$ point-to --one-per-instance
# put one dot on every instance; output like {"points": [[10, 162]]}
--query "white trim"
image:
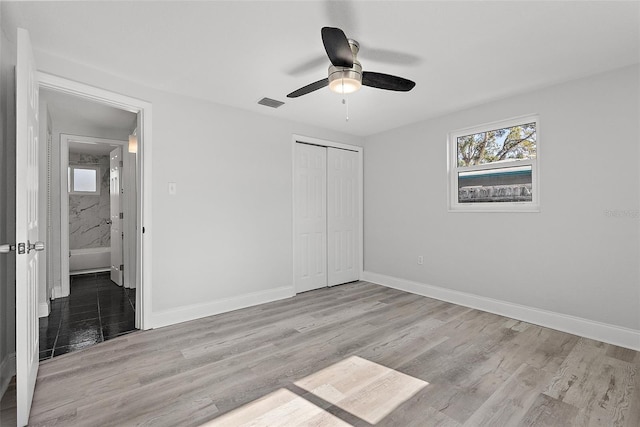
{"points": [[65, 286], [7, 371], [612, 334], [325, 143], [43, 309], [56, 291], [452, 169], [144, 182], [224, 305], [90, 270]]}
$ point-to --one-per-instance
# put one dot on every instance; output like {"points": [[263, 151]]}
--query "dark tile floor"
{"points": [[96, 310]]}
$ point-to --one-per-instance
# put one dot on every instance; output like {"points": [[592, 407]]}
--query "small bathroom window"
{"points": [[84, 180]]}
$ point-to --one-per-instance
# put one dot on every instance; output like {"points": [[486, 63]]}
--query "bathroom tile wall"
{"points": [[89, 215]]}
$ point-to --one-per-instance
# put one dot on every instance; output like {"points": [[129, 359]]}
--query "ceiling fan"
{"points": [[345, 71]]}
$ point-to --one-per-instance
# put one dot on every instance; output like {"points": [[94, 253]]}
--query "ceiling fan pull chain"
{"points": [[346, 104]]}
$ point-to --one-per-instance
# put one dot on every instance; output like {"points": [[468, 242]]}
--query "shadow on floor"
{"points": [[8, 416], [95, 311]]}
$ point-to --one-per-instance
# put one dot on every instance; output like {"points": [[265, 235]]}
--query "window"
{"points": [[494, 167], [84, 180]]}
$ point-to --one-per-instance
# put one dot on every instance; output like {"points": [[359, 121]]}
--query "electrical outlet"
{"points": [[420, 260]]}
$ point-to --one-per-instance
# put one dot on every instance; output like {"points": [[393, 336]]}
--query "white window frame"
{"points": [[453, 169], [84, 193]]}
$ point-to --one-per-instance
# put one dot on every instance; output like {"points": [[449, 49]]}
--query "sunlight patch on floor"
{"points": [[365, 389], [280, 408]]}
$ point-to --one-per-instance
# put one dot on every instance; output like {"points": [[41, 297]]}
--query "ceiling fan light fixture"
{"points": [[345, 80], [345, 84]]}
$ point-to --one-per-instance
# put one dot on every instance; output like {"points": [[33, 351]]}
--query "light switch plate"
{"points": [[172, 188]]}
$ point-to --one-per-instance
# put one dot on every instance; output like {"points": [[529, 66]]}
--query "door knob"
{"points": [[37, 246], [5, 249]]}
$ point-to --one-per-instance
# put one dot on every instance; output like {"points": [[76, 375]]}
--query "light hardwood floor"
{"points": [[356, 354]]}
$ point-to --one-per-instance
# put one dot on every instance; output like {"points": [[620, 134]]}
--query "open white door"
{"points": [[310, 263], [115, 191], [343, 216], [27, 256]]}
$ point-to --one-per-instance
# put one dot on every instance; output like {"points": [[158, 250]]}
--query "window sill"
{"points": [[501, 209]]}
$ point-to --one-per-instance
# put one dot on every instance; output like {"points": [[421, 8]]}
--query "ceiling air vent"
{"points": [[270, 102]]}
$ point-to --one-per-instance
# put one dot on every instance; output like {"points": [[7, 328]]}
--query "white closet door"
{"points": [[343, 216], [310, 263]]}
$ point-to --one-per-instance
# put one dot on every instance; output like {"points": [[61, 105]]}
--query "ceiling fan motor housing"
{"points": [[345, 79]]}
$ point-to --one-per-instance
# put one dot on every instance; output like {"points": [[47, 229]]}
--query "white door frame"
{"points": [[325, 143], [65, 139], [143, 181]]}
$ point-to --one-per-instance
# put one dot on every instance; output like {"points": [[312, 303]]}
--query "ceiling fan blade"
{"points": [[386, 81], [337, 47], [309, 88], [313, 64]]}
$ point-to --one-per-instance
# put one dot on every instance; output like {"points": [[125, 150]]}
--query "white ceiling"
{"points": [[460, 54], [91, 148], [65, 108]]}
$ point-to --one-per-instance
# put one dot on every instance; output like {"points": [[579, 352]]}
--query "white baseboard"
{"points": [[197, 311], [7, 371], [43, 309], [612, 334], [90, 270], [56, 292]]}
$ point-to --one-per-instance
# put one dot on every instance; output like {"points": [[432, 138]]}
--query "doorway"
{"points": [[98, 224], [140, 271], [89, 295], [327, 212]]}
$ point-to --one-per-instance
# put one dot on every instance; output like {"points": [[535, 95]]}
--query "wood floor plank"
{"points": [[462, 367], [512, 399], [549, 412], [601, 387]]}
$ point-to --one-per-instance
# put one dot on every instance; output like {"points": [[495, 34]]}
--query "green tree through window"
{"points": [[512, 143]]}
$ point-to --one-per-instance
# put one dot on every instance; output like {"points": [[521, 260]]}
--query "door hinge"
{"points": [[122, 235], [121, 215], [121, 163], [121, 267]]}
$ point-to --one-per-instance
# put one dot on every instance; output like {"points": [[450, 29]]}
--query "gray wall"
{"points": [[227, 233], [88, 214], [574, 257], [44, 265], [7, 208]]}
